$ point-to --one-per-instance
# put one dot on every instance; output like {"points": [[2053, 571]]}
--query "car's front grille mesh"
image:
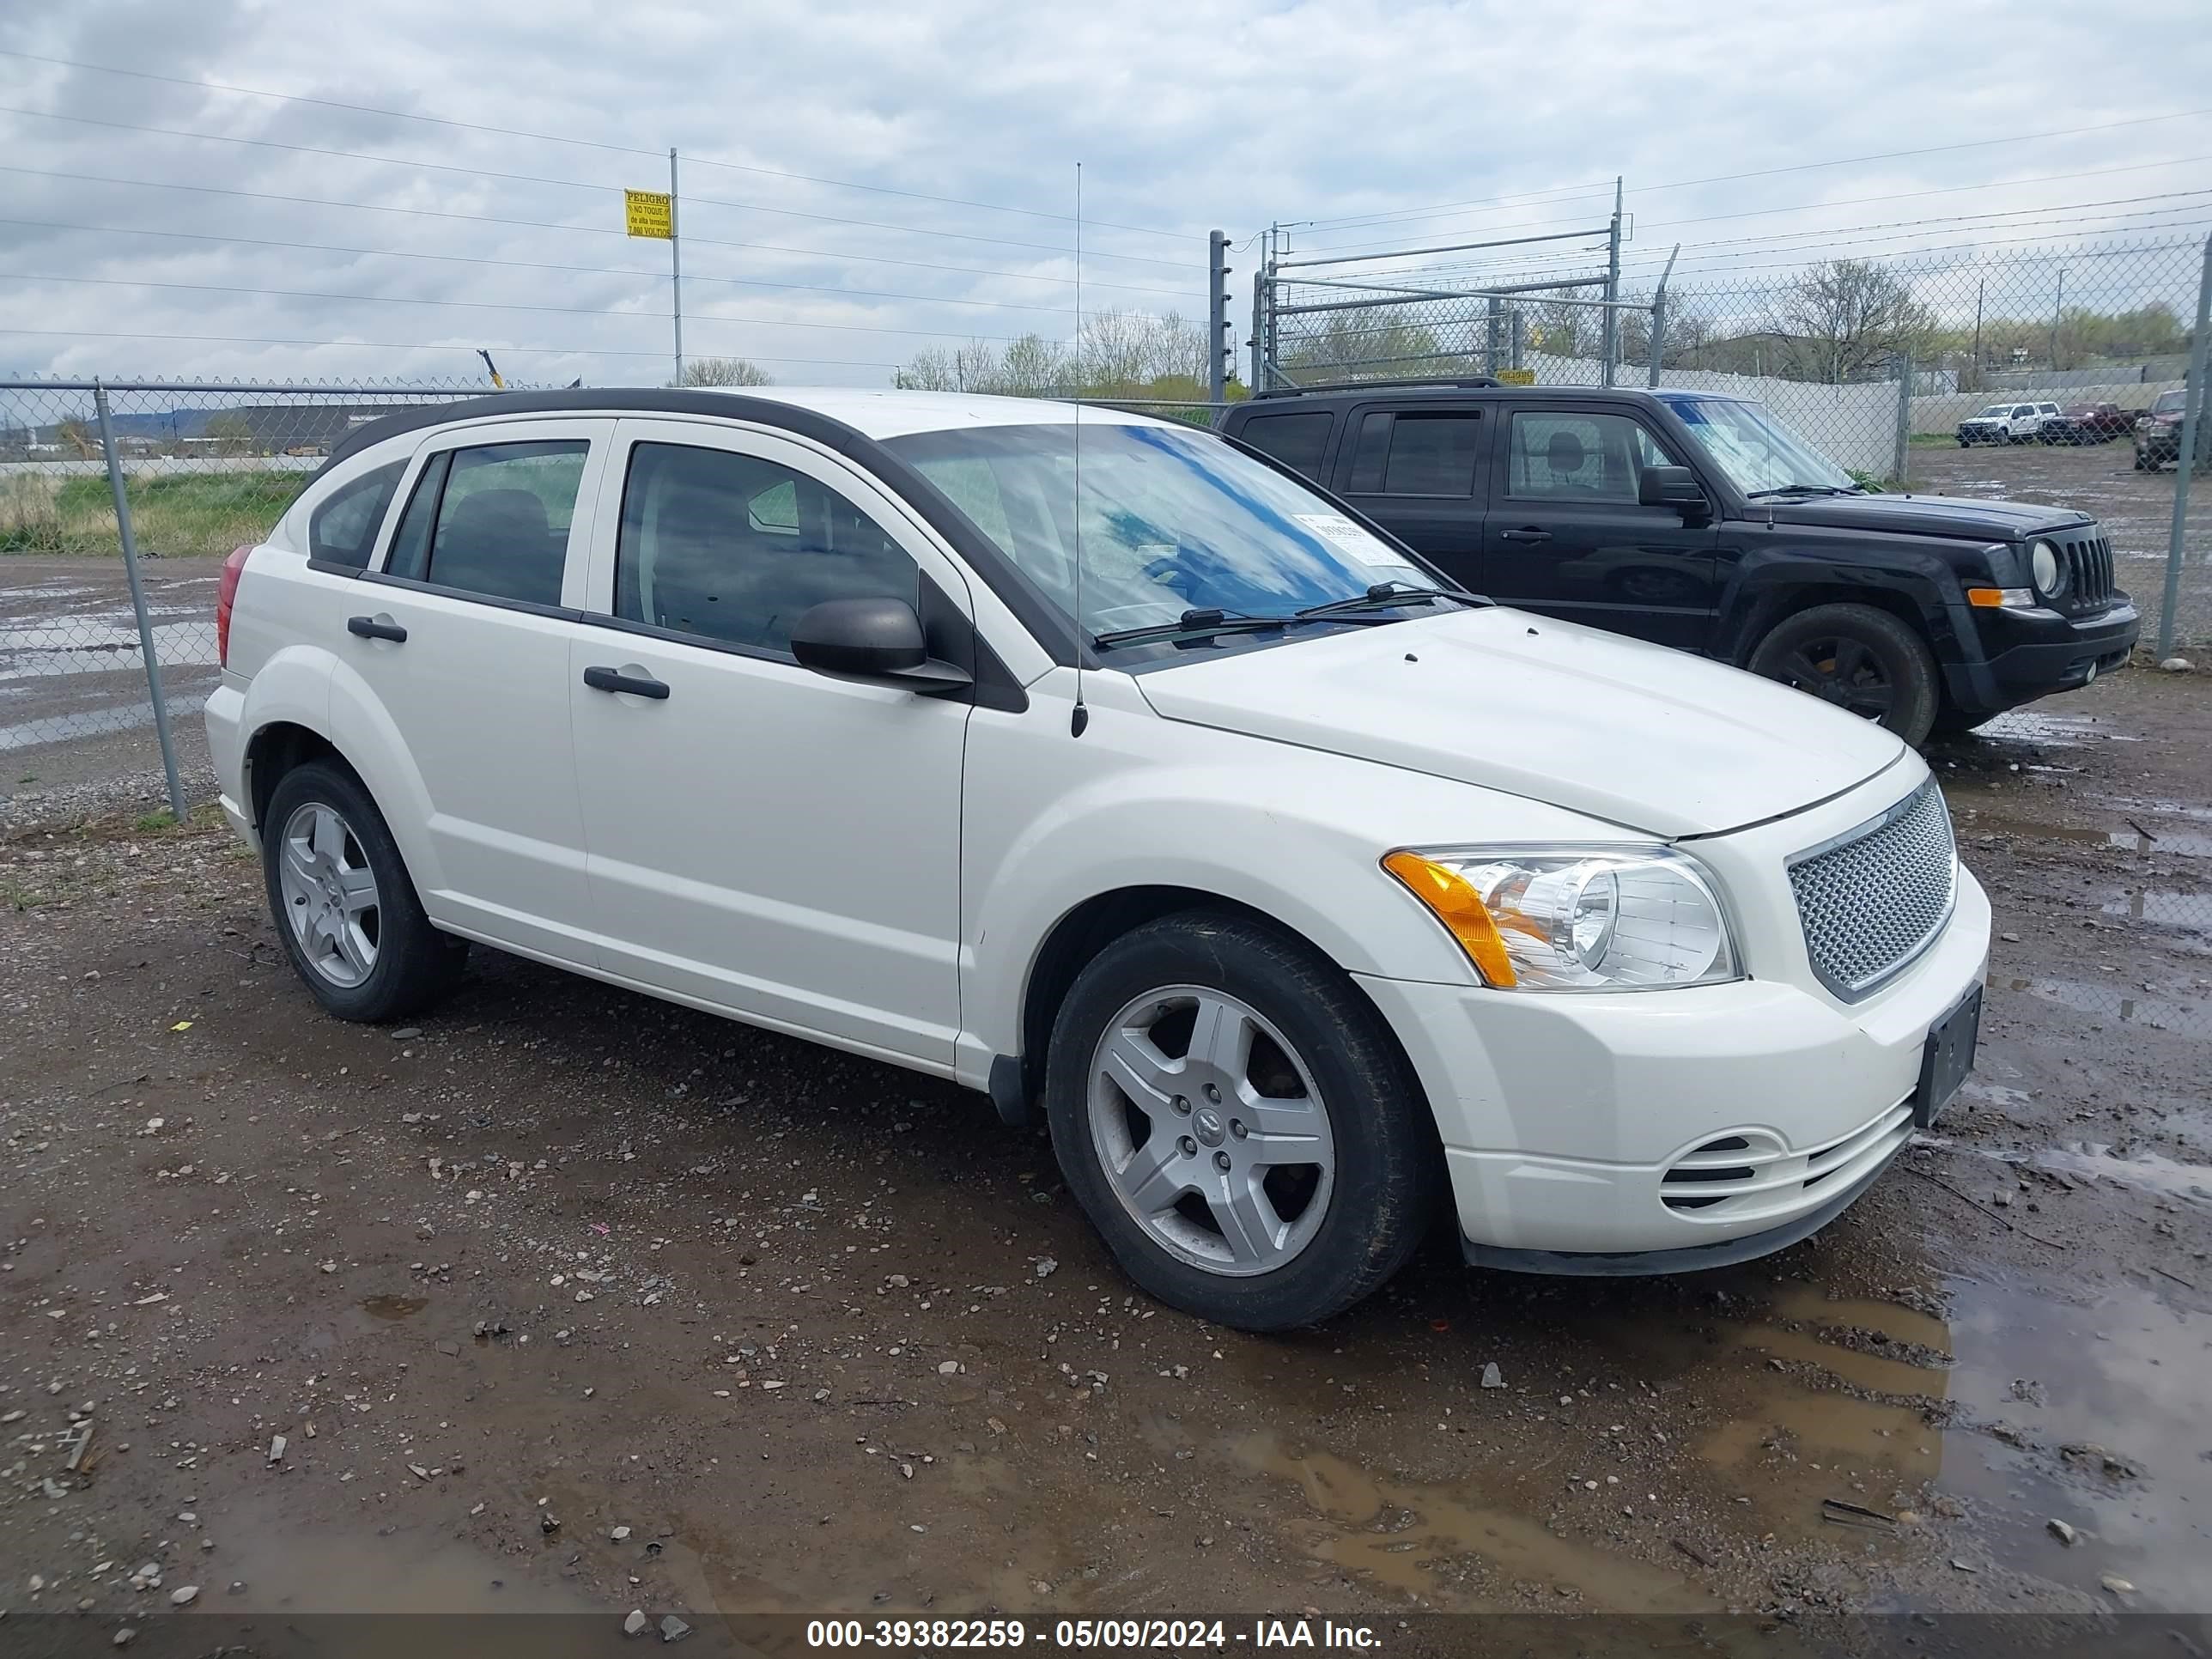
{"points": [[2088, 566], [1870, 902]]}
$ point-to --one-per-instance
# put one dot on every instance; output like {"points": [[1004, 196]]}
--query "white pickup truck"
{"points": [[2005, 423]]}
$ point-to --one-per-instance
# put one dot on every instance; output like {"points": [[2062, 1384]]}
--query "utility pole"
{"points": [[1613, 288], [1220, 344], [675, 267]]}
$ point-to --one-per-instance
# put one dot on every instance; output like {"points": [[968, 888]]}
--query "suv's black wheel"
{"points": [[1236, 1121], [1857, 657], [343, 903]]}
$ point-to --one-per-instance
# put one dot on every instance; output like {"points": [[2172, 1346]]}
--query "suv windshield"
{"points": [[2168, 403], [1995, 412], [1172, 522], [1759, 455]]}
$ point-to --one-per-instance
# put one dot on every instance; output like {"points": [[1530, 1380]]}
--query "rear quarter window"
{"points": [[342, 529], [1299, 442]]}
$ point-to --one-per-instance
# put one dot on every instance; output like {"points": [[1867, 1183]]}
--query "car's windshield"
{"points": [[1171, 521], [1758, 453], [1995, 411], [2168, 402]]}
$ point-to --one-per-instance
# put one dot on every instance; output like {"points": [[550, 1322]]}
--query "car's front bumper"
{"points": [[2026, 655], [1562, 1116]]}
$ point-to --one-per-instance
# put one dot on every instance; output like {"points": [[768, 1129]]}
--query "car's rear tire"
{"points": [[343, 903], [1238, 1123], [1861, 659]]}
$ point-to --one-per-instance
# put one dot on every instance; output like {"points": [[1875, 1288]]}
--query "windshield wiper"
{"points": [[1199, 625], [1384, 595], [1808, 490]]}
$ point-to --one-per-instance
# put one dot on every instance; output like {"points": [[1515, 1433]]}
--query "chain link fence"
{"points": [[2053, 375], [102, 643]]}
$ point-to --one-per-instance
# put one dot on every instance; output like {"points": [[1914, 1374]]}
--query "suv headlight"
{"points": [[1575, 918], [2046, 570]]}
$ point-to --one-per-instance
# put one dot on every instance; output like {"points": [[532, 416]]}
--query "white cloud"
{"points": [[1186, 114]]}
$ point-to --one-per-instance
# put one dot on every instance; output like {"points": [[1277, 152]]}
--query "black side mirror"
{"points": [[1670, 486], [870, 639]]}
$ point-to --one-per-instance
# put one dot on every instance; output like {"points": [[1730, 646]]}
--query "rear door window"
{"points": [[1299, 442], [493, 520], [342, 530], [1417, 453]]}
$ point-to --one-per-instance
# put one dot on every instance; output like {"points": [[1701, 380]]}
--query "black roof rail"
{"points": [[1469, 382]]}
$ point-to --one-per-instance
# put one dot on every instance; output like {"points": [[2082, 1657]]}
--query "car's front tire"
{"points": [[1238, 1123], [343, 903], [1863, 660]]}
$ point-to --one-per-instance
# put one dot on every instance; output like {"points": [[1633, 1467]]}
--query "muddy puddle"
{"points": [[2181, 1018], [1413, 1537], [1859, 1425]]}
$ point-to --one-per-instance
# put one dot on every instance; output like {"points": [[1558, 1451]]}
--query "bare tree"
{"points": [[1844, 318], [725, 371]]}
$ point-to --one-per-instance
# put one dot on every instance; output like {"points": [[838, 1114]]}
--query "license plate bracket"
{"points": [[1947, 1057]]}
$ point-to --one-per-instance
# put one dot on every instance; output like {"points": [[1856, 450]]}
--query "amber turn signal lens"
{"points": [[1987, 598], [1455, 902]]}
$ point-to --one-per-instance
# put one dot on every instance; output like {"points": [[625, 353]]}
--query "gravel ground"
{"points": [[563, 1261]]}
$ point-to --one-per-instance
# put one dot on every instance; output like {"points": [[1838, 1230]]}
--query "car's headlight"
{"points": [[1572, 918], [2046, 570]]}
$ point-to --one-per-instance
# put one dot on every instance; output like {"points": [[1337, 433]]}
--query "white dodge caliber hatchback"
{"points": [[1111, 769]]}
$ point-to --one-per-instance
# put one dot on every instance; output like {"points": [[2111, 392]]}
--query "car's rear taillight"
{"points": [[226, 596]]}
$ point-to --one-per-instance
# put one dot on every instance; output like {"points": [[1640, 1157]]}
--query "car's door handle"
{"points": [[1531, 534], [368, 628], [638, 685]]}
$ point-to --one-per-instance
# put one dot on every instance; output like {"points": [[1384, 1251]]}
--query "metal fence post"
{"points": [[2184, 457], [1612, 288], [1900, 466], [138, 602]]}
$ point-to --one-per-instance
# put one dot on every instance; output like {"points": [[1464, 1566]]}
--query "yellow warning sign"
{"points": [[647, 213], [1516, 377]]}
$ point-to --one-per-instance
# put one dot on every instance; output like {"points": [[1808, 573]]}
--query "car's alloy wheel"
{"points": [[1862, 660], [331, 899], [1211, 1130], [343, 903]]}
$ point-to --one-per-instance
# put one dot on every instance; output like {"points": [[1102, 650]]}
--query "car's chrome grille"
{"points": [[2089, 554], [1871, 899]]}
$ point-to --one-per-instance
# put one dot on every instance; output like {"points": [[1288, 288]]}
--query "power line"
{"points": [[417, 345], [494, 305], [1439, 209], [1816, 207], [564, 184], [589, 230], [562, 138], [532, 264]]}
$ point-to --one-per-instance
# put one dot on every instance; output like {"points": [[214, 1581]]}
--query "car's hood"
{"points": [[1637, 734], [1922, 515]]}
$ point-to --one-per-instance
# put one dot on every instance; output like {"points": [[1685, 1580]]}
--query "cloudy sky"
{"points": [[862, 182]]}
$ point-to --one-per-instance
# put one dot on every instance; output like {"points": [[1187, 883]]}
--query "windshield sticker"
{"points": [[1363, 544]]}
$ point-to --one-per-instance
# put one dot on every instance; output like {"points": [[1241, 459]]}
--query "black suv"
{"points": [[1698, 521]]}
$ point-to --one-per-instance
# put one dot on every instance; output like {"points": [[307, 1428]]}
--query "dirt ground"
{"points": [[563, 1260]]}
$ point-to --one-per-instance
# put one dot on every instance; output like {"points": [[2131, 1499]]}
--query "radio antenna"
{"points": [[1079, 716]]}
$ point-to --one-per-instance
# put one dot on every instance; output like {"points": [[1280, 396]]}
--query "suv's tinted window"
{"points": [[1296, 441], [1589, 458], [342, 530], [1417, 453], [734, 548], [493, 520]]}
